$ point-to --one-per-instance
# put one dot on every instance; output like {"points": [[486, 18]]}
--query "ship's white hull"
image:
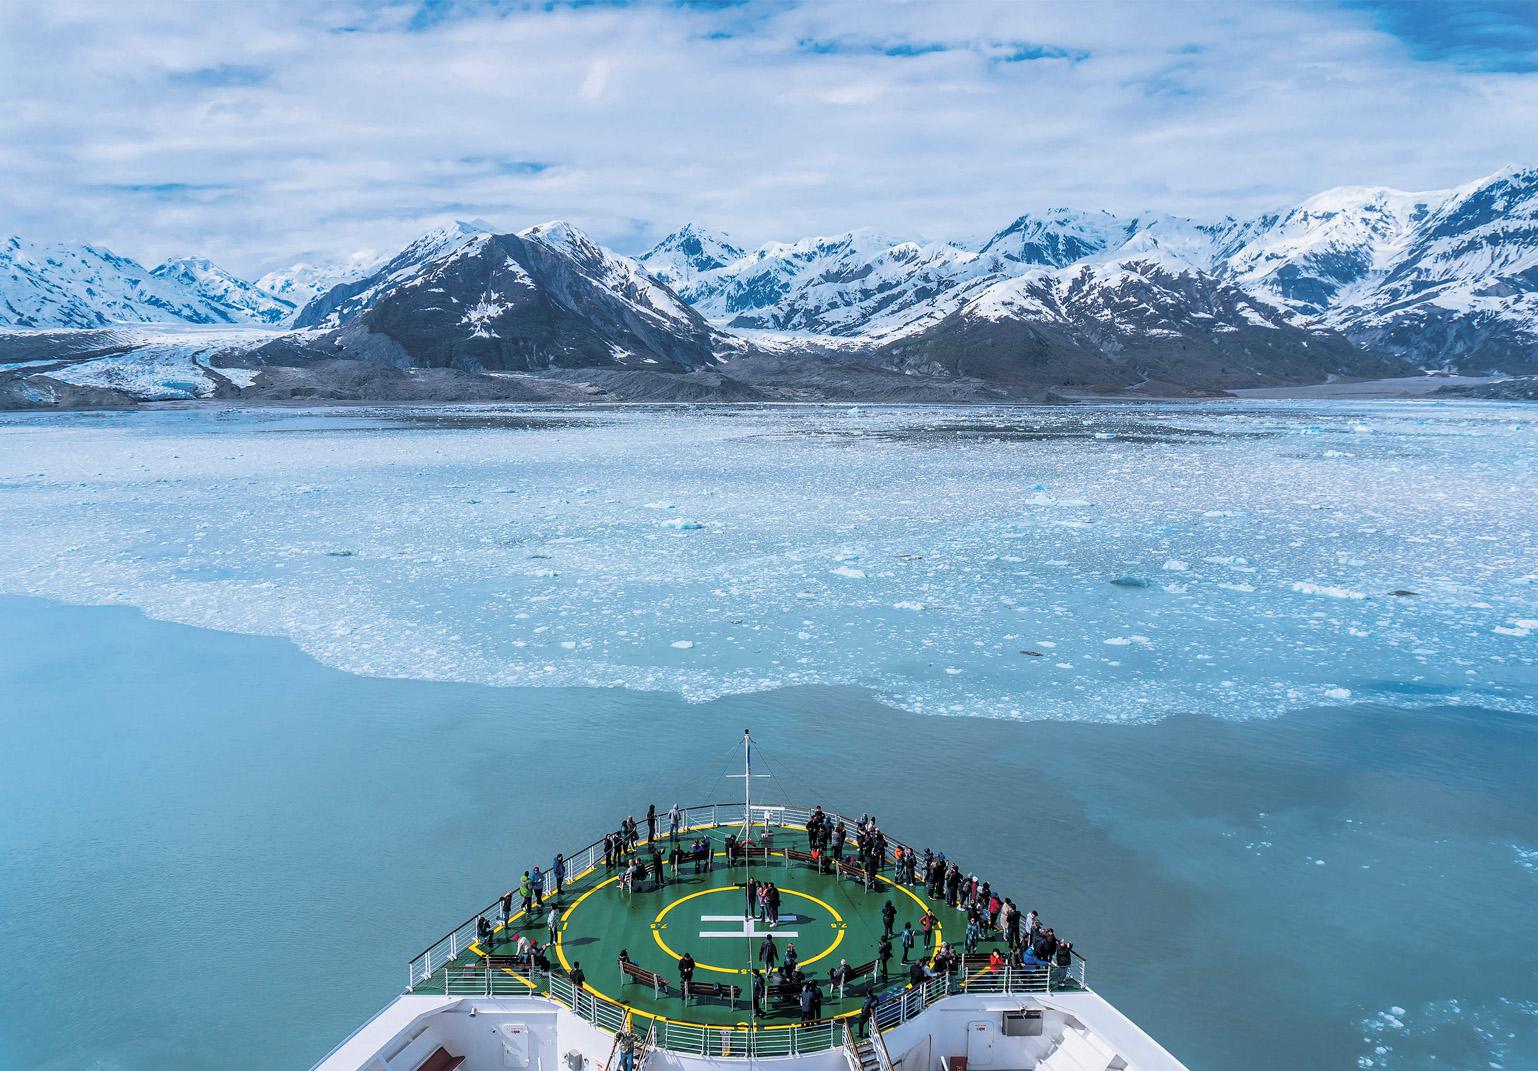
{"points": [[1068, 1031]]}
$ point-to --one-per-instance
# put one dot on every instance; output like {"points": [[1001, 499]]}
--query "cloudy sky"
{"points": [[256, 132]]}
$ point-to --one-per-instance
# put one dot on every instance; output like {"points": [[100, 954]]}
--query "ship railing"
{"points": [[452, 945], [896, 1008]]}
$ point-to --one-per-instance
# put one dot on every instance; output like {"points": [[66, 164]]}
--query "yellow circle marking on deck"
{"points": [[837, 918]]}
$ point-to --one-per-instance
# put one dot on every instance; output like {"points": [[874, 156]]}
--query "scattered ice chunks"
{"points": [[213, 520]]}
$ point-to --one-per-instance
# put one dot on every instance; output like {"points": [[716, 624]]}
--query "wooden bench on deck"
{"points": [[856, 972], [717, 990], [628, 969]]}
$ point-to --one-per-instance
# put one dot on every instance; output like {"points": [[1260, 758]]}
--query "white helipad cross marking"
{"points": [[749, 928]]}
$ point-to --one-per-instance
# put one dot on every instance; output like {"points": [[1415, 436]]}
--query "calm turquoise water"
{"points": [[220, 853]]}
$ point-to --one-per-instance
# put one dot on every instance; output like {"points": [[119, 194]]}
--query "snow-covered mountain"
{"points": [[88, 286], [1462, 290], [1445, 279], [1141, 317], [688, 253], [343, 300], [546, 297], [302, 281], [219, 289]]}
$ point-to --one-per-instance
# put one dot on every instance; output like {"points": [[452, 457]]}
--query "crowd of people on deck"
{"points": [[832, 846]]}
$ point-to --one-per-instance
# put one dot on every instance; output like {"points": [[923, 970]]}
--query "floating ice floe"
{"points": [[1304, 587]]}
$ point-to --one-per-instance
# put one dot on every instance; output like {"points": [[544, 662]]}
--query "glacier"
{"points": [[1107, 563]]}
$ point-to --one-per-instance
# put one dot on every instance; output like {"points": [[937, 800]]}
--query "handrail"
{"points": [[851, 1050], [882, 1056]]}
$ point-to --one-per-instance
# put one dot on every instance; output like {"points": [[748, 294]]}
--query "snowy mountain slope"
{"points": [[688, 253], [87, 286], [548, 297], [344, 300], [301, 282], [1129, 320], [1462, 291], [220, 289], [1331, 246], [1055, 238]]}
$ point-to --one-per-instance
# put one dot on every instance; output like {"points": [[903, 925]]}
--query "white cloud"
{"points": [[254, 133]]}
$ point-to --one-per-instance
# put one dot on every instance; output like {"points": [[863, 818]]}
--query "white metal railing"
{"points": [[435, 963]]}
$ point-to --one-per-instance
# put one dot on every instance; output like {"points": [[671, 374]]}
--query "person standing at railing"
{"points": [[651, 821], [578, 979], [507, 909], [675, 819], [608, 853], [526, 891], [558, 868], [537, 883], [868, 1012], [483, 934], [973, 934], [1062, 960]]}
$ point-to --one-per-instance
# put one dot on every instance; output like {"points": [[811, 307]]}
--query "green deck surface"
{"points": [[831, 917]]}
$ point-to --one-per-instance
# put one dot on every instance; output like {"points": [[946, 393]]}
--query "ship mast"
{"points": [[747, 785]]}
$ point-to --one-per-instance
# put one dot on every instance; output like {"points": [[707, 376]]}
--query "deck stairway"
{"points": [[1080, 1050], [647, 1046], [868, 1054]]}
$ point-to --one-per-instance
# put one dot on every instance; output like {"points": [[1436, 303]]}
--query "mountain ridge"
{"points": [[1354, 282]]}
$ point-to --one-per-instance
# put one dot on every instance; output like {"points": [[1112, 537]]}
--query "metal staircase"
{"points": [[868, 1054]]}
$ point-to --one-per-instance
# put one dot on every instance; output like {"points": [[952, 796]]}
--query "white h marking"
{"points": [[749, 928]]}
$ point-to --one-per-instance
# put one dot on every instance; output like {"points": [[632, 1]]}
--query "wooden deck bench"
{"points": [[716, 990], [440, 1060], [782, 992], [628, 970], [856, 972]]}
